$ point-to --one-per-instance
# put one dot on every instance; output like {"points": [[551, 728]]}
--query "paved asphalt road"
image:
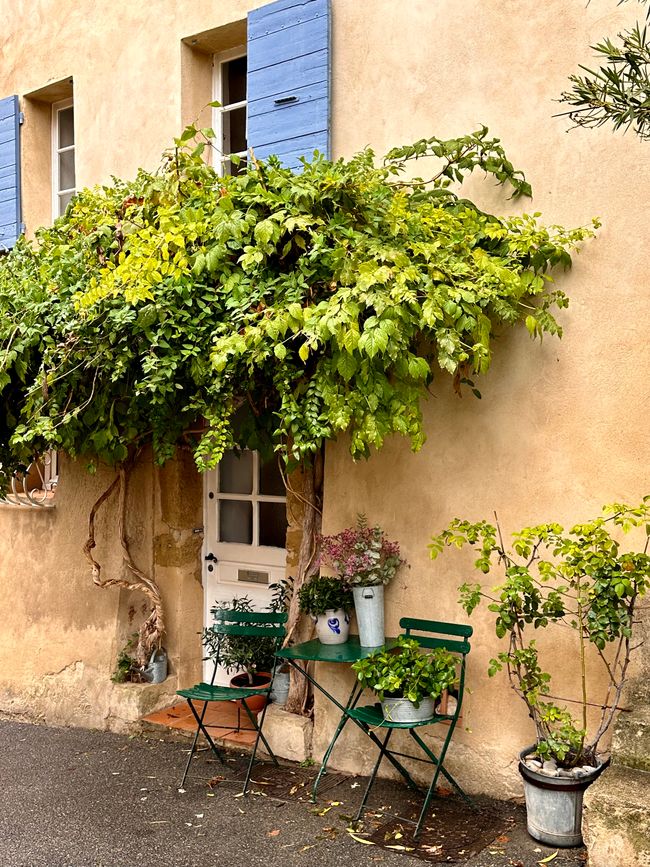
{"points": [[77, 798]]}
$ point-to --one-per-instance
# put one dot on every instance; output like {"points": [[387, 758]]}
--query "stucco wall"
{"points": [[561, 427]]}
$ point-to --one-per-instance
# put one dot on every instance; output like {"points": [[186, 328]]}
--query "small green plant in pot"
{"points": [[252, 657], [328, 601], [365, 561], [407, 679], [554, 580]]}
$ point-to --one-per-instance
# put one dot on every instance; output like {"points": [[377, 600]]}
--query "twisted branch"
{"points": [[152, 629]]}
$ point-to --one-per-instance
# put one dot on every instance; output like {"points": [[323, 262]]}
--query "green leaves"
{"points": [[304, 305], [578, 579]]}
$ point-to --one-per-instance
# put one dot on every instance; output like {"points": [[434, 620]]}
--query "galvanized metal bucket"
{"points": [[280, 688], [401, 710], [156, 671], [554, 804], [369, 607]]}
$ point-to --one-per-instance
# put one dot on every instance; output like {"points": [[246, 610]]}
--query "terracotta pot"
{"points": [[256, 702]]}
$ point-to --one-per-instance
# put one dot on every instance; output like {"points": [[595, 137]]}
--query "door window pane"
{"points": [[236, 522], [271, 479], [236, 473], [273, 524]]}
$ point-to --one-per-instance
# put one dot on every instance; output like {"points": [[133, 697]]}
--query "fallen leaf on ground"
{"points": [[273, 833], [360, 839], [502, 839], [549, 858]]}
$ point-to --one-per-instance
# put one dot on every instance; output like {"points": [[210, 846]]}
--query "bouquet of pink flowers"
{"points": [[361, 555]]}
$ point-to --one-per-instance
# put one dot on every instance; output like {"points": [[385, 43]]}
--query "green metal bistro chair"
{"points": [[248, 624], [454, 638]]}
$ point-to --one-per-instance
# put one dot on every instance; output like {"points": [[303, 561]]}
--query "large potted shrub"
{"points": [[366, 561], [328, 601], [554, 580], [407, 679]]}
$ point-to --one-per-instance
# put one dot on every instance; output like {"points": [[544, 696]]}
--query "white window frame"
{"points": [[56, 150], [254, 497], [218, 111]]}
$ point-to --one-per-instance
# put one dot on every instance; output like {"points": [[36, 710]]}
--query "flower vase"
{"points": [[369, 607]]}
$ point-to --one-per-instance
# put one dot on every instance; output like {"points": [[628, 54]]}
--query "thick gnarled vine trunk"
{"points": [[152, 629], [299, 627]]}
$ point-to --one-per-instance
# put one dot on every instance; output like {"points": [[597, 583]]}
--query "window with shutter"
{"points": [[289, 79], [10, 225]]}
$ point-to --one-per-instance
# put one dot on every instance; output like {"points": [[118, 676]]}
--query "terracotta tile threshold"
{"points": [[225, 721]]}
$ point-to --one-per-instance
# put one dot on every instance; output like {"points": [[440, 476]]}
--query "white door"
{"points": [[245, 533]]}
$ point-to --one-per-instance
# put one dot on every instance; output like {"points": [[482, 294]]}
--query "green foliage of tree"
{"points": [[271, 309], [578, 578], [617, 91]]}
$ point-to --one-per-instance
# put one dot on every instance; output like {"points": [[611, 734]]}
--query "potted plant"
{"points": [[252, 658], [580, 579], [407, 679], [328, 601], [365, 561]]}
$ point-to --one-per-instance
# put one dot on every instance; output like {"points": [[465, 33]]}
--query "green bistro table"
{"points": [[351, 651]]}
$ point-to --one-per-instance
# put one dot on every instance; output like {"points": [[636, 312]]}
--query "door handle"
{"points": [[210, 557]]}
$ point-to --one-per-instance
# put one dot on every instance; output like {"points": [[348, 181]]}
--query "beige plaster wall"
{"points": [[561, 427]]}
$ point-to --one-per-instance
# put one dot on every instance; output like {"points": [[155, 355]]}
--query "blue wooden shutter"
{"points": [[10, 227], [289, 79]]}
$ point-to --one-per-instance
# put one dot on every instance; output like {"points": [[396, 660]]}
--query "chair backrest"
{"points": [[260, 625], [265, 624], [438, 633]]}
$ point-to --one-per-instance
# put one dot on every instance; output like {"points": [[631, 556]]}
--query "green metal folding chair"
{"points": [[454, 638], [250, 624]]}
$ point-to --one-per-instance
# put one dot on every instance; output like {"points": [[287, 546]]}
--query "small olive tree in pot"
{"points": [[581, 579]]}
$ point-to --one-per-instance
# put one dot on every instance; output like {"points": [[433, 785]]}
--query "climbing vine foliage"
{"points": [[271, 309]]}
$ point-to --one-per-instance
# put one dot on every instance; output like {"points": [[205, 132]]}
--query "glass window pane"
{"points": [[234, 81], [271, 480], [236, 473], [273, 524], [236, 521], [66, 127], [64, 201], [66, 171], [234, 131]]}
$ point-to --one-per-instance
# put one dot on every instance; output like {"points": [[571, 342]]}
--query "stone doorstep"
{"points": [[616, 819], [289, 735], [231, 727]]}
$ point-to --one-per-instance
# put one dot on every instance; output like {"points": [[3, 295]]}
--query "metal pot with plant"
{"points": [[556, 580], [328, 601], [365, 561], [407, 679], [253, 658]]}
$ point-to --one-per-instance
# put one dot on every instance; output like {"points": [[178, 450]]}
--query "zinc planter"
{"points": [[554, 804], [333, 626], [369, 608], [402, 710]]}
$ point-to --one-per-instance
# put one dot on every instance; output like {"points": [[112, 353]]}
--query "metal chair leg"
{"points": [[382, 753], [260, 736]]}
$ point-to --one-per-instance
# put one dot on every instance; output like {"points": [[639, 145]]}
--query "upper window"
{"points": [[229, 119], [64, 182]]}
